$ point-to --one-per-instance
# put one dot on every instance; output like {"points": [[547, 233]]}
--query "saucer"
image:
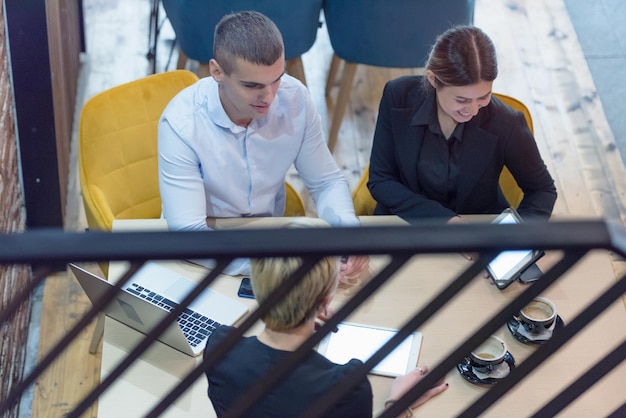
{"points": [[467, 371], [514, 323]]}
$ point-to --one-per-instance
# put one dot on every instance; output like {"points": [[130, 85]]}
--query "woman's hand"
{"points": [[324, 316], [402, 384], [468, 256]]}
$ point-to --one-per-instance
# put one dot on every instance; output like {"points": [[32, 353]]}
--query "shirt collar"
{"points": [[219, 116], [424, 113], [427, 115], [215, 109]]}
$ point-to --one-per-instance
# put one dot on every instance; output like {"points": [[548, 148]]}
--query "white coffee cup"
{"points": [[538, 315], [489, 354]]}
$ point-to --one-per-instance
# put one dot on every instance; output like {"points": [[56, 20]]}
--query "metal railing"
{"points": [[574, 239]]}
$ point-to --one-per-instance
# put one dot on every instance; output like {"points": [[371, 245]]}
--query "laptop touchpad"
{"points": [[179, 290]]}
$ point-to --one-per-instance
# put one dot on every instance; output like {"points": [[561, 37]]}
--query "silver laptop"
{"points": [[154, 291]]}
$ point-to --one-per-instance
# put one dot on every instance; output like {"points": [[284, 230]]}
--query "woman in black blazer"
{"points": [[441, 140]]}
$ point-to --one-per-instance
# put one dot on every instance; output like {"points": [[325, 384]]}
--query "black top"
{"points": [[497, 136], [438, 162], [250, 360]]}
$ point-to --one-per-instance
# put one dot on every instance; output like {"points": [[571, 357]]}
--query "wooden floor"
{"points": [[540, 63]]}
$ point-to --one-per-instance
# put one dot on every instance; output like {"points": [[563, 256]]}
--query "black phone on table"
{"points": [[245, 289]]}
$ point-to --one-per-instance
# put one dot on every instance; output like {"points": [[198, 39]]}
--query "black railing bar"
{"points": [[483, 332], [282, 369], [233, 337], [583, 383], [267, 384], [448, 293], [24, 294], [53, 245], [60, 346], [617, 232], [620, 412], [200, 369], [147, 341], [544, 351]]}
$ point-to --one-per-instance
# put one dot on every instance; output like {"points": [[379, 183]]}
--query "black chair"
{"points": [[391, 33], [194, 22]]}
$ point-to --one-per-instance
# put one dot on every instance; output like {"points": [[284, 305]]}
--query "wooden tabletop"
{"points": [[152, 376]]}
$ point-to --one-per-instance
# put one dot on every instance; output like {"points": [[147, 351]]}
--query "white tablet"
{"points": [[355, 341], [509, 265]]}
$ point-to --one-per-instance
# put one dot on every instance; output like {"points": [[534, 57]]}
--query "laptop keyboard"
{"points": [[195, 326]]}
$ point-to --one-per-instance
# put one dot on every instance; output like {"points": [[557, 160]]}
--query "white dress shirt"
{"points": [[211, 167]]}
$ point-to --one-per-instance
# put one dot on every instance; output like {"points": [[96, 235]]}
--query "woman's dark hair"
{"points": [[461, 56]]}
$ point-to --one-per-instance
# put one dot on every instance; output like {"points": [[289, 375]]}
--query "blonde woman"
{"points": [[287, 326]]}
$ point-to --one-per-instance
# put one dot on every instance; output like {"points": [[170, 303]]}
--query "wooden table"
{"points": [[154, 373]]}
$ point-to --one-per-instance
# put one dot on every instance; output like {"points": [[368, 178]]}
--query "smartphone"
{"points": [[245, 289], [361, 341]]}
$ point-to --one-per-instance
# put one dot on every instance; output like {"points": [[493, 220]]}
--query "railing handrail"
{"points": [[53, 245], [575, 238]]}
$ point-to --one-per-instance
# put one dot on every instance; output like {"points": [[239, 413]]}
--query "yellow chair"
{"points": [[117, 154], [364, 203], [510, 189], [294, 206], [118, 159], [118, 162]]}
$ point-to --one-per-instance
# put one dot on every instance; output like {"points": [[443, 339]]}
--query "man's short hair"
{"points": [[249, 35]]}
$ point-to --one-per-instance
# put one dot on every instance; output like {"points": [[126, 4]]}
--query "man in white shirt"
{"points": [[226, 142]]}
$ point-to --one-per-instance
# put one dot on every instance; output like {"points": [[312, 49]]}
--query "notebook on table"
{"points": [[154, 291]]}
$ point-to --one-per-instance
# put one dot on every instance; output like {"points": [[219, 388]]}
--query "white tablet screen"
{"points": [[507, 264], [360, 342], [507, 261]]}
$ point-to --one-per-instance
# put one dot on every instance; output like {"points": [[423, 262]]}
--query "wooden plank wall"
{"points": [[13, 333], [64, 45]]}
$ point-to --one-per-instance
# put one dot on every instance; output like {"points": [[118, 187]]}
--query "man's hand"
{"points": [[352, 266]]}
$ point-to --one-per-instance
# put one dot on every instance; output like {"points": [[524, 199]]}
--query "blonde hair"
{"points": [[305, 299], [303, 302]]}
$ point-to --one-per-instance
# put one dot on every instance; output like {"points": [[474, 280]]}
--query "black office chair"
{"points": [[391, 33], [194, 22]]}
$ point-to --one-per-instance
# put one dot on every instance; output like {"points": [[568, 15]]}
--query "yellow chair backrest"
{"points": [[117, 159], [510, 189], [294, 206], [364, 203]]}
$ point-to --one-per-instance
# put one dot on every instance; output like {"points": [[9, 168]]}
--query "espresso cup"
{"points": [[489, 354], [538, 315]]}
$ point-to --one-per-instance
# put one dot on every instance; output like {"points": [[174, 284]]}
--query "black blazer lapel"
{"points": [[477, 143], [409, 138]]}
